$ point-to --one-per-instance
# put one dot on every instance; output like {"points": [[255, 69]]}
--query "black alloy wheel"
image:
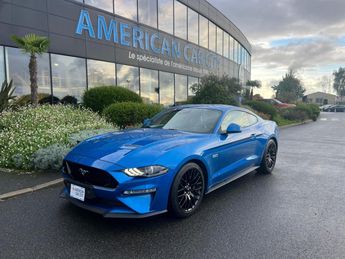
{"points": [[187, 190], [270, 157]]}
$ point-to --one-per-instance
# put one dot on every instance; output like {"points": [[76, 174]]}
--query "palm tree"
{"points": [[33, 45]]}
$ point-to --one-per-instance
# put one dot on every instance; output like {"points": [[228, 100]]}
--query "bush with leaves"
{"points": [[101, 97], [263, 107], [128, 114], [25, 100], [294, 114], [27, 130], [69, 100], [216, 90], [6, 95], [312, 110]]}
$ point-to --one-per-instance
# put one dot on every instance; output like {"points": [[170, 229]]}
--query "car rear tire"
{"points": [[187, 191], [269, 158]]}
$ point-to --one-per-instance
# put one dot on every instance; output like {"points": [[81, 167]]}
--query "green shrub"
{"points": [[69, 100], [26, 99], [101, 97], [127, 114], [312, 110], [49, 100], [6, 95], [263, 107], [294, 114], [27, 130]]}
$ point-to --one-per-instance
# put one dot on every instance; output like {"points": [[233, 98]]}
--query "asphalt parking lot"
{"points": [[297, 212]]}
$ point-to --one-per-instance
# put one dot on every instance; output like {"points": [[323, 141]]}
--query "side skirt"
{"points": [[232, 178]]}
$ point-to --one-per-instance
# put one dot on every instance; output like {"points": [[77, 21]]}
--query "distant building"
{"points": [[320, 98]]}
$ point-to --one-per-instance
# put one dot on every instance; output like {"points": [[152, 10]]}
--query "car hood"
{"points": [[133, 147]]}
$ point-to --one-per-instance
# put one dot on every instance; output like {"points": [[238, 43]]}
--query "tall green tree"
{"points": [[252, 84], [34, 46], [216, 90], [339, 82], [290, 89]]}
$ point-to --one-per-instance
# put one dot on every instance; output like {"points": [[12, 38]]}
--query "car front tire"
{"points": [[187, 191], [269, 158]]}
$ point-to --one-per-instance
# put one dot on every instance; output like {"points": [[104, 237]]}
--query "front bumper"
{"points": [[124, 201]]}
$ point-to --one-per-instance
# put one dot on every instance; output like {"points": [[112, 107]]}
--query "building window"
{"points": [[149, 85], [69, 76], [193, 26], [166, 15], [212, 36], [2, 65], [180, 20], [192, 81], [203, 32], [226, 45], [127, 9], [219, 41], [180, 88], [148, 12], [100, 73], [101, 4], [232, 48], [18, 71], [166, 88], [128, 77]]}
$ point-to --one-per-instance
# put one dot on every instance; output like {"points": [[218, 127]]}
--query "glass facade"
{"points": [[180, 88], [192, 81], [2, 65], [180, 20], [101, 4], [146, 14], [128, 77], [68, 75], [149, 85], [212, 36], [219, 41], [126, 8], [100, 73], [166, 15], [226, 45], [166, 88], [18, 71], [193, 26], [203, 32]]}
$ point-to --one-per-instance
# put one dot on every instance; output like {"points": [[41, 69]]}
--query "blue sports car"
{"points": [[170, 163]]}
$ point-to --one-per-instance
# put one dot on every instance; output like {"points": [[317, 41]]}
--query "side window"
{"points": [[241, 118]]}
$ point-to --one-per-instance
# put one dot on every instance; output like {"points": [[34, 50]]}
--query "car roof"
{"points": [[221, 107]]}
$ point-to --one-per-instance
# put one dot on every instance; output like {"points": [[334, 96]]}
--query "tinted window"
{"points": [[69, 76], [126, 8], [149, 85], [165, 15], [2, 66], [166, 88], [100, 73], [128, 77], [180, 88], [212, 36], [192, 81], [180, 20], [196, 120], [203, 31], [18, 71], [219, 41], [102, 4], [193, 26], [147, 12], [244, 119]]}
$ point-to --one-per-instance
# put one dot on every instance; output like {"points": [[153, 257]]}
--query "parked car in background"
{"points": [[170, 163], [325, 107], [279, 104], [335, 108]]}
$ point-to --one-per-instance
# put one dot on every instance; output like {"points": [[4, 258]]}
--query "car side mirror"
{"points": [[233, 128], [146, 122]]}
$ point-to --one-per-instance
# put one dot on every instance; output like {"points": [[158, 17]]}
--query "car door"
{"points": [[237, 151]]}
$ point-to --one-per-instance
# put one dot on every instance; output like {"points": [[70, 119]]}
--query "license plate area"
{"points": [[77, 192]]}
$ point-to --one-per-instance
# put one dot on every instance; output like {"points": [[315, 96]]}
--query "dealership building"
{"points": [[156, 48]]}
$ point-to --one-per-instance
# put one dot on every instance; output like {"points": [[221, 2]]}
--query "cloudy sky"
{"points": [[306, 35]]}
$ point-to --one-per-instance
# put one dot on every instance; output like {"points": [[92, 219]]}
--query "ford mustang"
{"points": [[171, 163]]}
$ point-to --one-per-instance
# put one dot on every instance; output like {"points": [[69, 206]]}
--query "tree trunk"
{"points": [[33, 79]]}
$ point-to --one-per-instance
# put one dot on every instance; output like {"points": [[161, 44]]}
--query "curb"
{"points": [[295, 124], [30, 190]]}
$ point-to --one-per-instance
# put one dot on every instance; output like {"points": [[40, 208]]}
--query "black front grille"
{"points": [[89, 175]]}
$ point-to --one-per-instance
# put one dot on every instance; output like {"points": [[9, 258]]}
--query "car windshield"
{"points": [[196, 120]]}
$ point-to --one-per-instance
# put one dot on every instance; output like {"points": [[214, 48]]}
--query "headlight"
{"points": [[146, 171]]}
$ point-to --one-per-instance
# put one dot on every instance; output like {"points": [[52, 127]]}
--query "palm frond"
{"points": [[32, 43]]}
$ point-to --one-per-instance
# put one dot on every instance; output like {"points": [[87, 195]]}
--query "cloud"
{"points": [[305, 35]]}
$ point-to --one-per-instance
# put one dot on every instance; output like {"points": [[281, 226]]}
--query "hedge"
{"points": [[101, 97], [263, 108], [127, 114]]}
